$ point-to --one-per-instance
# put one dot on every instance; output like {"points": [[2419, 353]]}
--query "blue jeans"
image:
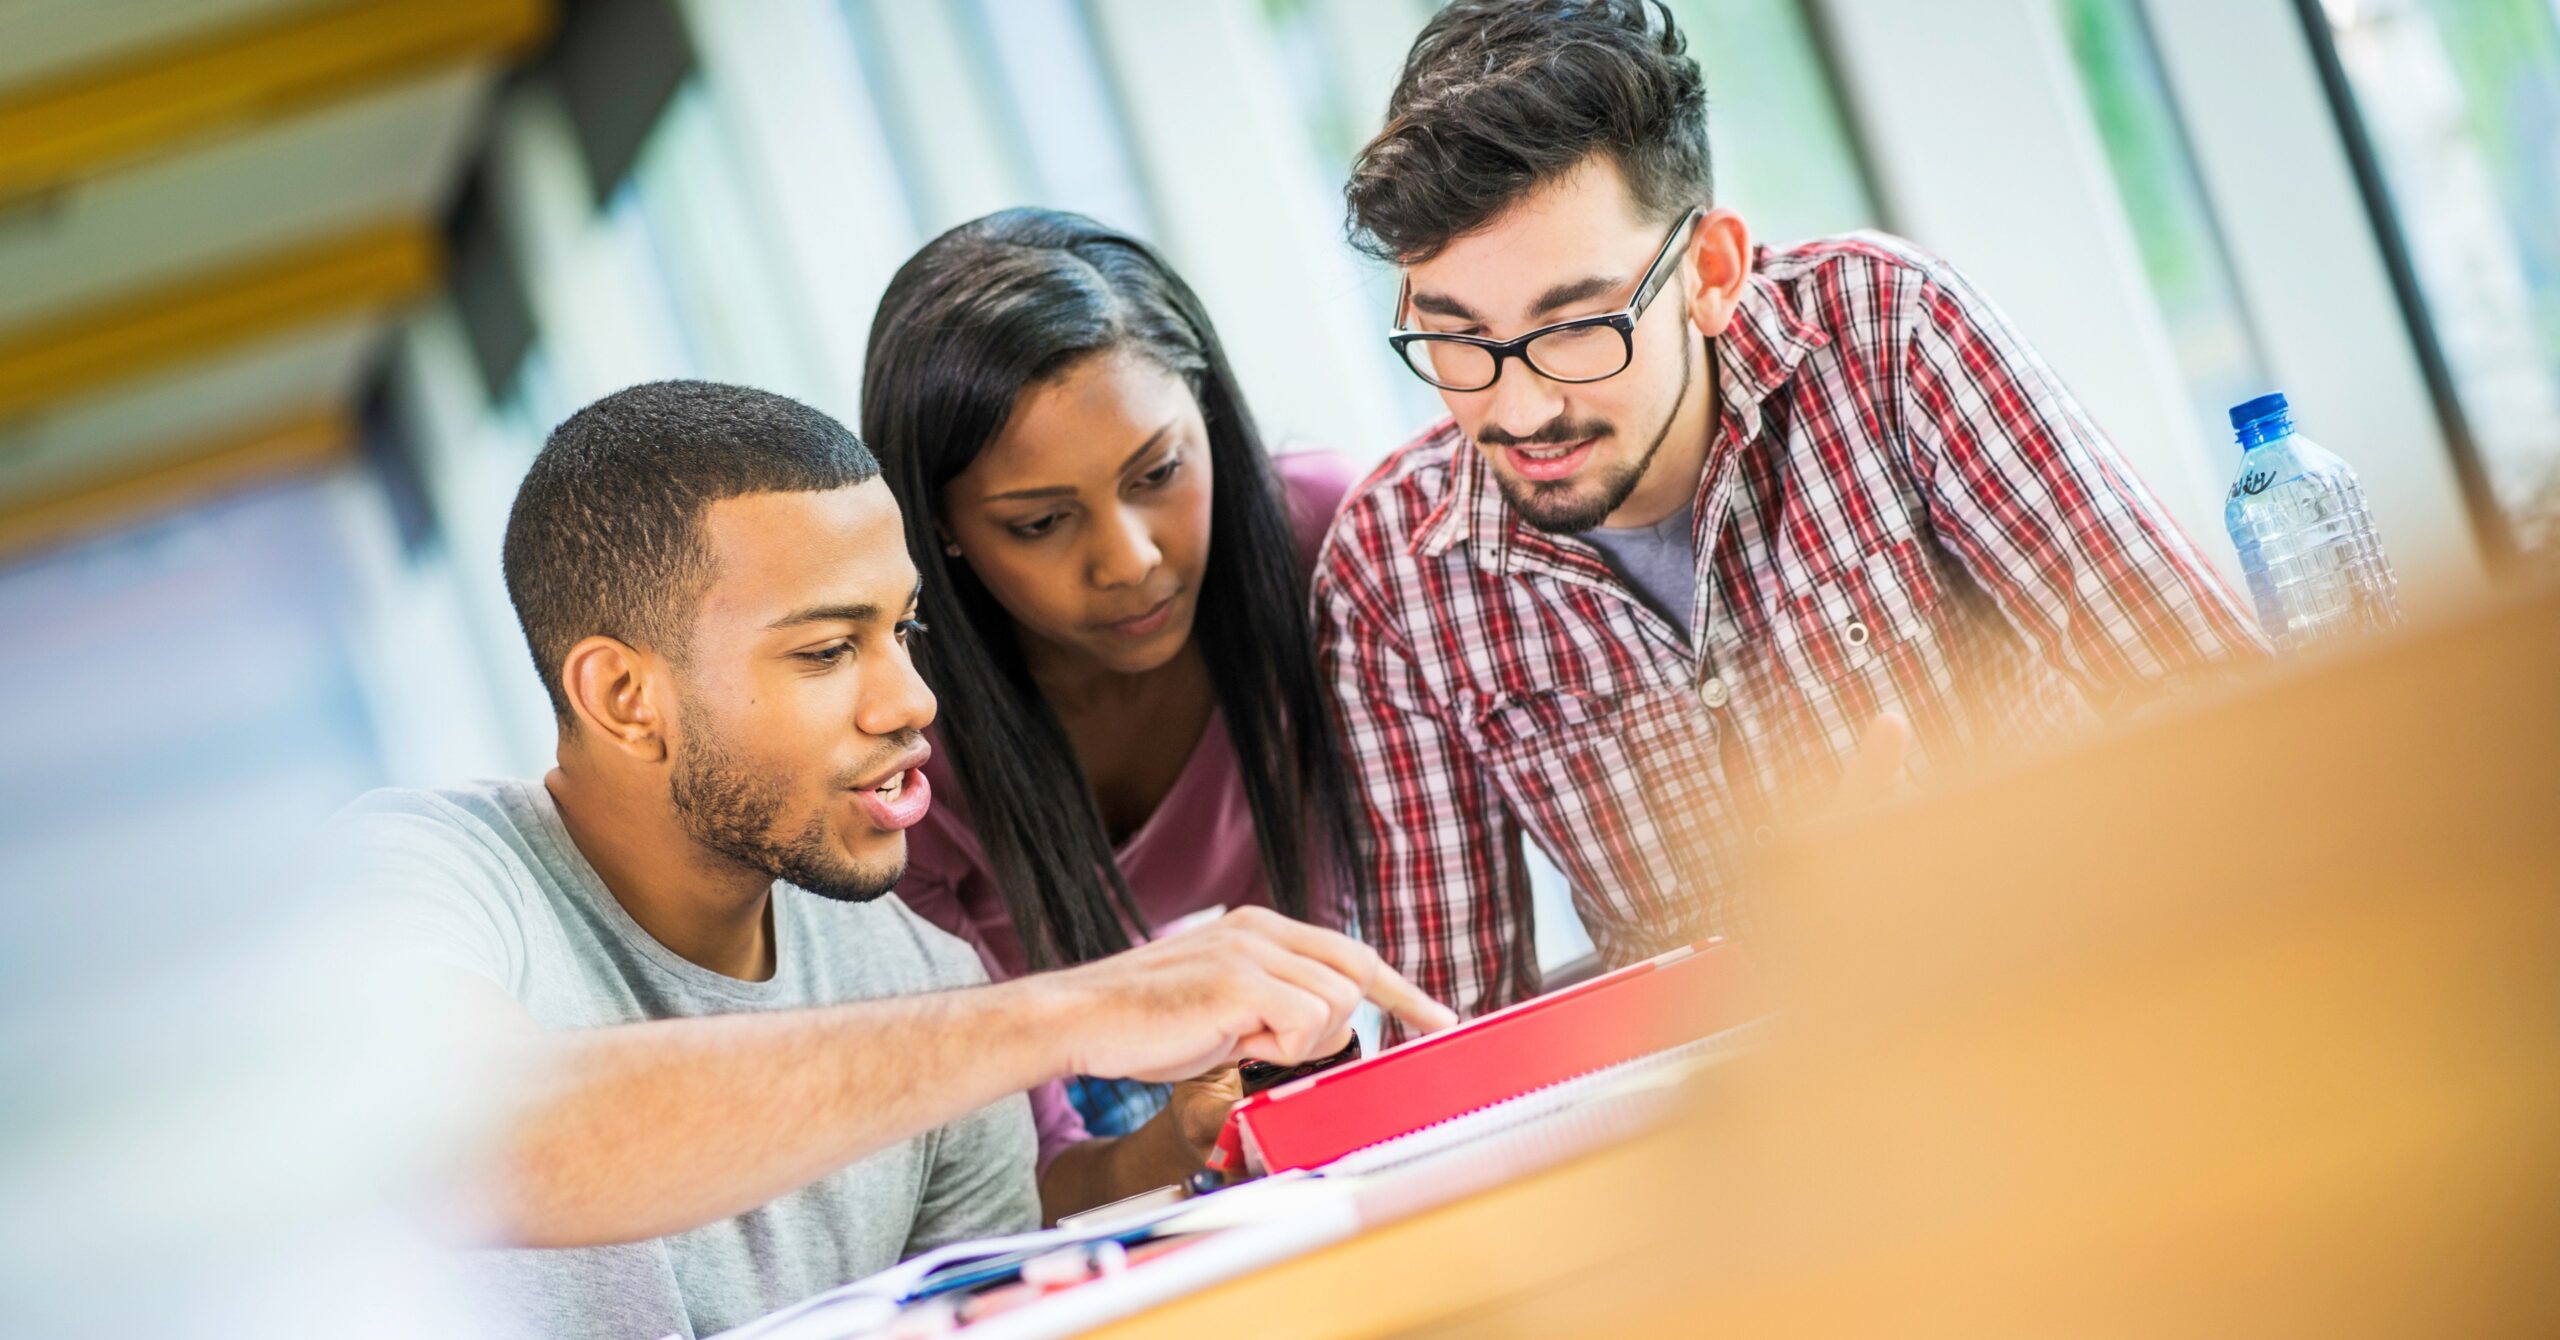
{"points": [[1115, 1106]]}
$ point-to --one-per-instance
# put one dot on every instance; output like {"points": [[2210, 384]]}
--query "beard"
{"points": [[1571, 506], [734, 809]]}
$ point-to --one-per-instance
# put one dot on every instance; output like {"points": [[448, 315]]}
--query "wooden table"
{"points": [[2243, 1021]]}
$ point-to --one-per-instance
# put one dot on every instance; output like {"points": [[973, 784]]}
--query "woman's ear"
{"points": [[1719, 269], [619, 696]]}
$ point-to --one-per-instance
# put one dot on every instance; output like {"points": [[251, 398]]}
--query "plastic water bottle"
{"points": [[2306, 541]]}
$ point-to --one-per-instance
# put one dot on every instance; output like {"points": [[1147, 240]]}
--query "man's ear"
{"points": [[620, 695], [1719, 268]]}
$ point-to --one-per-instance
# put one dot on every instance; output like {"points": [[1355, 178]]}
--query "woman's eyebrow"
{"points": [[1052, 491], [1068, 491], [1154, 440]]}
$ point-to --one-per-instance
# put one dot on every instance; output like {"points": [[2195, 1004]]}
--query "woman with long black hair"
{"points": [[1132, 726]]}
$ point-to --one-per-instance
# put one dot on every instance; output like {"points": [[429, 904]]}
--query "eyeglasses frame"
{"points": [[1623, 320]]}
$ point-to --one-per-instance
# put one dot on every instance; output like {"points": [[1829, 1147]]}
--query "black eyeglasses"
{"points": [[1585, 349]]}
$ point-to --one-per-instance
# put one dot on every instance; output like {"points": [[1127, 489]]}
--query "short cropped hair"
{"points": [[606, 533], [1501, 97]]}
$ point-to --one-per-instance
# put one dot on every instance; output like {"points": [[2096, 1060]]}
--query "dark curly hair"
{"points": [[1500, 97]]}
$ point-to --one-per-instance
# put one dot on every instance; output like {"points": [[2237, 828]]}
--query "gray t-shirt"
{"points": [[485, 878], [1657, 561]]}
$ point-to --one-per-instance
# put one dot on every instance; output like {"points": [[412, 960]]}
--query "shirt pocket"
{"points": [[1870, 639], [1519, 727], [1562, 761]]}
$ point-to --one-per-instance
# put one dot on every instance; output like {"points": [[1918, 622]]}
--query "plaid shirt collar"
{"points": [[1756, 356]]}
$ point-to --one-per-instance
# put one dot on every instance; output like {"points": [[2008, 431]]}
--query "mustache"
{"points": [[1557, 432], [891, 746]]}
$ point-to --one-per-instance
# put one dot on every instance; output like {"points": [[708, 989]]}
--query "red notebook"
{"points": [[1638, 1010]]}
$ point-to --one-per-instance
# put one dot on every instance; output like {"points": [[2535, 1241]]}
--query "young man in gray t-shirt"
{"points": [[755, 1076]]}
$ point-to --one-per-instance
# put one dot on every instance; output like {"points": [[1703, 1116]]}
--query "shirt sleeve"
{"points": [[1452, 896], [2046, 515], [431, 891]]}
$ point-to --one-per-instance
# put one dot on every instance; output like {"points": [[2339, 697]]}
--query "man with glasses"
{"points": [[1705, 517]]}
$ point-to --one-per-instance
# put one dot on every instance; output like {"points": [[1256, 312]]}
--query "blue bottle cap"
{"points": [[2268, 406], [2263, 419]]}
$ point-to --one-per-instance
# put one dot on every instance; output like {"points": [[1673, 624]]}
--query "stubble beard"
{"points": [[732, 810], [1572, 506]]}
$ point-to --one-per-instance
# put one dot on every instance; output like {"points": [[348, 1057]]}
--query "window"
{"points": [[689, 207], [2460, 101], [1045, 72], [1339, 62], [1783, 153], [2173, 227]]}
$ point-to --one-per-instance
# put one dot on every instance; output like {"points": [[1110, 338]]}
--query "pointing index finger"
{"points": [[1382, 985], [1392, 993]]}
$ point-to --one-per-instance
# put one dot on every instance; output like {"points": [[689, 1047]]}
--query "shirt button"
{"points": [[1714, 693], [1762, 835], [1855, 634]]}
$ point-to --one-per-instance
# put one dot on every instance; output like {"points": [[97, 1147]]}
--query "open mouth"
{"points": [[1544, 462], [899, 800], [899, 803]]}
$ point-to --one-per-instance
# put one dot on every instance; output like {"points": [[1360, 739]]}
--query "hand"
{"points": [[1200, 1106], [1251, 985]]}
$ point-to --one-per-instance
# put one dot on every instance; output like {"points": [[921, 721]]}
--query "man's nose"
{"points": [[1520, 402], [1123, 553], [894, 699]]}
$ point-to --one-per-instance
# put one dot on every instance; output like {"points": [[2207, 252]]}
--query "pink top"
{"points": [[1196, 851]]}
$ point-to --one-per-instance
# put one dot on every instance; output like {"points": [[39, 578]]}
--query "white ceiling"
{"points": [[255, 386], [389, 153], [384, 155], [43, 39]]}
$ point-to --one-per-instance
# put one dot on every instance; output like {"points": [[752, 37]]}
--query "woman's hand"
{"points": [[1200, 1107]]}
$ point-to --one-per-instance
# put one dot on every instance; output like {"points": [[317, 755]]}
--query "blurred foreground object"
{"points": [[249, 1138], [2126, 1042]]}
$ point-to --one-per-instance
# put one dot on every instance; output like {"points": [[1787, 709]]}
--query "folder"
{"points": [[1643, 1008]]}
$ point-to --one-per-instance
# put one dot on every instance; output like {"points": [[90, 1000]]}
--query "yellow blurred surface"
{"points": [[2243, 1021], [95, 119]]}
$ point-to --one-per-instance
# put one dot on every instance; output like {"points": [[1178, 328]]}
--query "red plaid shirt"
{"points": [[1902, 509]]}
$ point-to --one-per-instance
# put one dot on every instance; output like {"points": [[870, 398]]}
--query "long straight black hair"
{"points": [[983, 313]]}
